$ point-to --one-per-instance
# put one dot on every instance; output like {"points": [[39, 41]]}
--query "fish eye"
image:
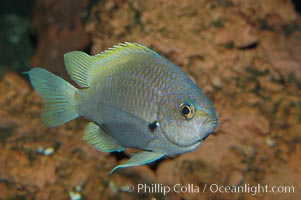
{"points": [[187, 110]]}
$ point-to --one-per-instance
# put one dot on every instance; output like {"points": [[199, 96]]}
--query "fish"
{"points": [[133, 97]]}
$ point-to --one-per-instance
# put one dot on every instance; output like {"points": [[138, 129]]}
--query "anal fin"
{"points": [[140, 158], [97, 138]]}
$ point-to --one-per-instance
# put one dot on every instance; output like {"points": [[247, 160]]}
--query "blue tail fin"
{"points": [[57, 94]]}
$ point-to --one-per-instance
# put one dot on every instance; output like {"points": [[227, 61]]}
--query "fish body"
{"points": [[134, 98]]}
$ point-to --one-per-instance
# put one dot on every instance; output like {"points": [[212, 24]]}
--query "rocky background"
{"points": [[245, 55]]}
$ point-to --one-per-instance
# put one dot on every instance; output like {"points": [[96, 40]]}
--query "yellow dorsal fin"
{"points": [[78, 66], [82, 67]]}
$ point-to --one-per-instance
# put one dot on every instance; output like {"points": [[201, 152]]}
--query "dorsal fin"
{"points": [[78, 67], [82, 68]]}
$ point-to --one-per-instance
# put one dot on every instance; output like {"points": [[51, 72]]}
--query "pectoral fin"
{"points": [[128, 129], [140, 158], [97, 138]]}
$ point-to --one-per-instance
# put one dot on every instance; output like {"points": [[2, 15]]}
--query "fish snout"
{"points": [[207, 128]]}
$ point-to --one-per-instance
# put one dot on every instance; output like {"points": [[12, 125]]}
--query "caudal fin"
{"points": [[57, 94]]}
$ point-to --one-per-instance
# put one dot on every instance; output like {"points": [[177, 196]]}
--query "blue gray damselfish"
{"points": [[134, 97]]}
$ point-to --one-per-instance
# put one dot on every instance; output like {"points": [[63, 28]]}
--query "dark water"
{"points": [[297, 5], [16, 36]]}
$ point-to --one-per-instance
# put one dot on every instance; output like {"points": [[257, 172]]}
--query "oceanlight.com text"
{"points": [[251, 189]]}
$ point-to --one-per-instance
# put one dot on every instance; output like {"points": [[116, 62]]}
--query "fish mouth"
{"points": [[205, 137], [204, 130], [213, 124], [208, 128]]}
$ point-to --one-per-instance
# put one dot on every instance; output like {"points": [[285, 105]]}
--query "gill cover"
{"points": [[176, 128]]}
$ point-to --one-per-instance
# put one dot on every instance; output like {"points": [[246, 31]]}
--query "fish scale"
{"points": [[123, 90]]}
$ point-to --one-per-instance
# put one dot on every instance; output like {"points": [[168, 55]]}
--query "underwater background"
{"points": [[245, 55]]}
